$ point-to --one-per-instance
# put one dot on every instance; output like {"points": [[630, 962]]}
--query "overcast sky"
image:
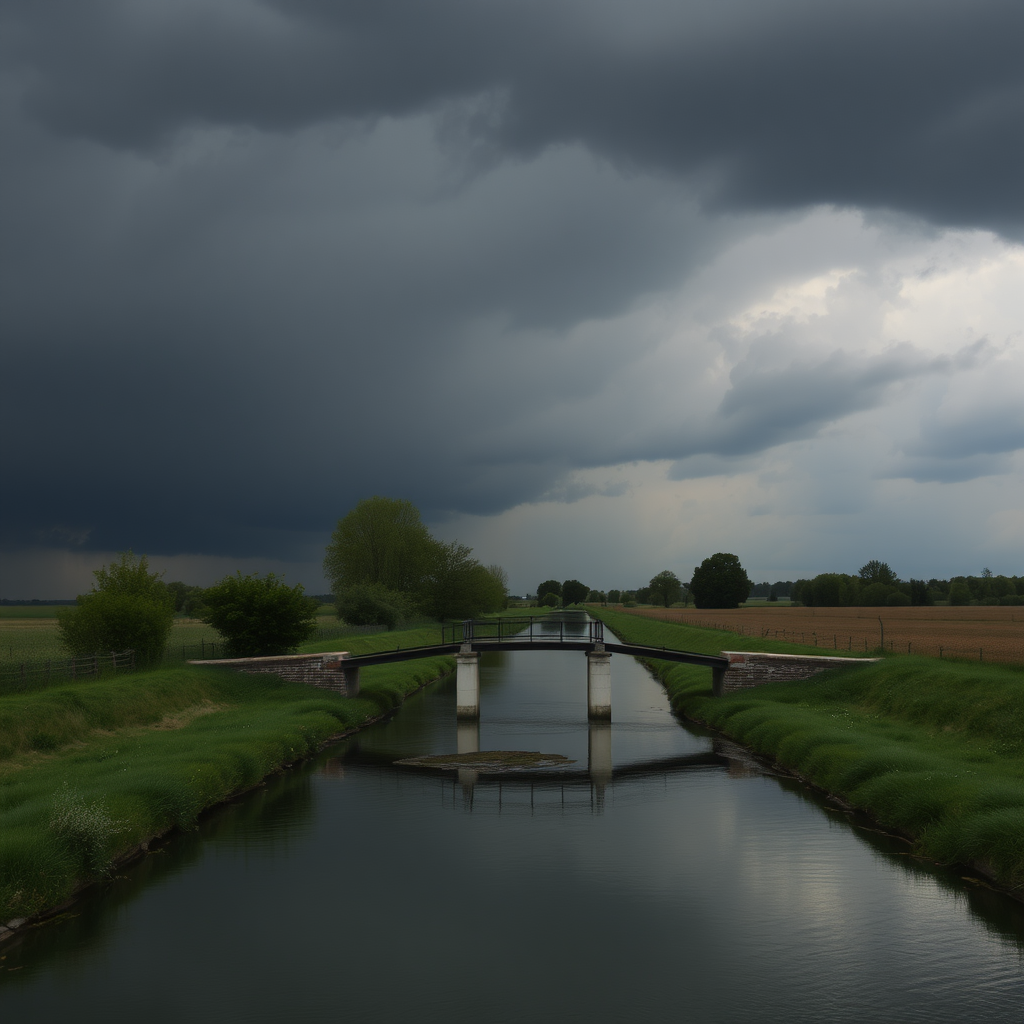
{"points": [[603, 287]]}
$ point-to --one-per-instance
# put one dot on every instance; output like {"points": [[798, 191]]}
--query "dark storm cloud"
{"points": [[914, 106], [262, 260]]}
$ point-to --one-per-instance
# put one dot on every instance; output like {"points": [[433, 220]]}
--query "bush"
{"points": [[367, 604], [260, 617], [129, 608]]}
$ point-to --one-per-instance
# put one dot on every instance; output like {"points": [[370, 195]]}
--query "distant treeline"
{"points": [[840, 590]]}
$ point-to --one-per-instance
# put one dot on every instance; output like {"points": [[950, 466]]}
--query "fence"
{"points": [[36, 666], [33, 675], [531, 628]]}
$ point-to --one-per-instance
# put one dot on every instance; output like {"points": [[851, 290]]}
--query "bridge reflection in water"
{"points": [[554, 790]]}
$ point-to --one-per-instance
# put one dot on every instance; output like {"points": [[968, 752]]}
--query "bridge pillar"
{"points": [[599, 684], [718, 681], [351, 673], [467, 683]]}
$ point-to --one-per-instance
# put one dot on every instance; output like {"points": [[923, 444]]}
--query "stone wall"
{"points": [[322, 670], [748, 669]]}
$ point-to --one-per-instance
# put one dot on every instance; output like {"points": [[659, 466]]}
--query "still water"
{"points": [[662, 877]]}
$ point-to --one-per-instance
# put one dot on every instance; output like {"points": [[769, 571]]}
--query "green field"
{"points": [[34, 640], [30, 611], [931, 749]]}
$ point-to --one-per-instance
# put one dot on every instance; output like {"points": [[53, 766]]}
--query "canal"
{"points": [[663, 876]]}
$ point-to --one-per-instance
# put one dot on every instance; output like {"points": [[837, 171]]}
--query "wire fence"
{"points": [[23, 676]]}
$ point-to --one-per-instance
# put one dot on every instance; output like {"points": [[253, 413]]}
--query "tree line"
{"points": [[876, 584], [718, 582]]}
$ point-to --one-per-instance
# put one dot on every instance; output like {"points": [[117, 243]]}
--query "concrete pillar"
{"points": [[467, 684], [599, 683]]}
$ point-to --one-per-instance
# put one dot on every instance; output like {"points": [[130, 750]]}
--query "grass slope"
{"points": [[932, 749], [90, 771]]}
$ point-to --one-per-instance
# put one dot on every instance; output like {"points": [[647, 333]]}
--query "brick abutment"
{"points": [[750, 668]]}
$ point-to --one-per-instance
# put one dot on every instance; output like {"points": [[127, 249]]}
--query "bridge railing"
{"points": [[532, 628]]}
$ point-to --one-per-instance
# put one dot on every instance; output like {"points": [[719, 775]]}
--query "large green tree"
{"points": [[380, 542], [665, 587], [720, 582], [129, 608], [549, 587], [259, 616]]}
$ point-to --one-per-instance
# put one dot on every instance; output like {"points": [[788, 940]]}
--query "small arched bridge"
{"points": [[469, 639]]}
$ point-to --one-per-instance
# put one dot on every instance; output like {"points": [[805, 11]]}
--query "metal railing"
{"points": [[533, 628]]}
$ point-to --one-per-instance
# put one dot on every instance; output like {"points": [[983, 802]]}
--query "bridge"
{"points": [[339, 671], [469, 639]]}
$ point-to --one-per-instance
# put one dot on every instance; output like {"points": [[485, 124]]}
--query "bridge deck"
{"points": [[482, 645]]}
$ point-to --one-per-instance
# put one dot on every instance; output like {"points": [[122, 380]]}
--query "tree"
{"points": [[720, 582], [877, 572], [500, 577], [549, 587], [129, 608], [259, 617], [614, 596], [457, 586], [574, 592], [381, 542], [665, 587]]}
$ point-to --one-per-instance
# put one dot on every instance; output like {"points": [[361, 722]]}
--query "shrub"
{"points": [[260, 616], [129, 608], [369, 604]]}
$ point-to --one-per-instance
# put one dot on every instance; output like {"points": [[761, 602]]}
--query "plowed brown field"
{"points": [[979, 633]]}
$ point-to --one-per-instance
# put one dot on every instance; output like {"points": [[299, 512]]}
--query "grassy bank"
{"points": [[931, 749], [90, 771]]}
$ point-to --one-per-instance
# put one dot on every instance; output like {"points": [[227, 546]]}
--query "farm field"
{"points": [[30, 644], [983, 633]]}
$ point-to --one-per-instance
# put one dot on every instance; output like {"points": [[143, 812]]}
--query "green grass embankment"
{"points": [[931, 749], [90, 771]]}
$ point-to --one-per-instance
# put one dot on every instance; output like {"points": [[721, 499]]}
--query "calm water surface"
{"points": [[662, 877]]}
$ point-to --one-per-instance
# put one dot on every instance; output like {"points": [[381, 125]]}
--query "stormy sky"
{"points": [[602, 287]]}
